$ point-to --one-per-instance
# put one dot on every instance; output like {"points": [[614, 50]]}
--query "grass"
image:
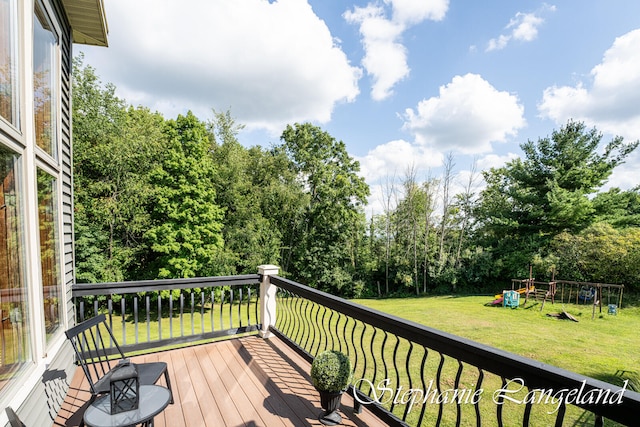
{"points": [[602, 348]]}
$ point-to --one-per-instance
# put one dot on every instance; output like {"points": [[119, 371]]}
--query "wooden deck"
{"points": [[239, 382]]}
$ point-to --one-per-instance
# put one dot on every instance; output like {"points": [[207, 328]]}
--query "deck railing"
{"points": [[152, 314], [414, 375], [407, 373]]}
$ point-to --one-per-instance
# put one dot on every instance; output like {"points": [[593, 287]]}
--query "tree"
{"points": [[529, 201], [115, 148], [323, 254], [618, 208], [240, 186], [600, 253], [186, 233]]}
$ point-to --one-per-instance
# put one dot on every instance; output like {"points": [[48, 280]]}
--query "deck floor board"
{"points": [[246, 381]]}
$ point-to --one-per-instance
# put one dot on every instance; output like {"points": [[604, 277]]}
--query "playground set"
{"points": [[584, 293]]}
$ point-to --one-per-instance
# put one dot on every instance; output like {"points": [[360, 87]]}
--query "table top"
{"points": [[153, 400]]}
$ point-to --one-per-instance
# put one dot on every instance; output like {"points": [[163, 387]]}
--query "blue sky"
{"points": [[401, 82]]}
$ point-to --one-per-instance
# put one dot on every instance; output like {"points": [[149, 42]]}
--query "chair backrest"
{"points": [[14, 421], [96, 348]]}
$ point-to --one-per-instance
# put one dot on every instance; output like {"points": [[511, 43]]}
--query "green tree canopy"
{"points": [[530, 200], [185, 235], [547, 191], [327, 241], [115, 148]]}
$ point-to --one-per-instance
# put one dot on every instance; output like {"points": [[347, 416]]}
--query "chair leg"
{"points": [[166, 378]]}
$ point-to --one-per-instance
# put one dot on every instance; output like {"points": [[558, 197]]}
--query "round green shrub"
{"points": [[331, 371]]}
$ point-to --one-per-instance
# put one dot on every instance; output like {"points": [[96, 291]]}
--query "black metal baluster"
{"points": [[181, 313], [110, 313], [395, 368], [328, 333], [423, 366], [408, 407], [298, 324], [256, 305], [298, 320], [477, 402], [306, 324], [124, 326], [323, 335], [439, 388], [527, 411], [561, 411], [456, 386], [159, 316], [147, 301], [231, 301], [344, 335], [337, 334], [239, 305], [202, 299], [222, 292], [500, 403], [317, 331], [212, 309], [170, 314], [364, 356], [355, 348], [385, 368], [193, 307], [135, 316], [82, 309]]}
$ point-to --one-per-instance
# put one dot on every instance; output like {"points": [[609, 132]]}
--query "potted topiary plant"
{"points": [[331, 373]]}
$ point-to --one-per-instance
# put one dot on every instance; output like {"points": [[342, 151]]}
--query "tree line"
{"points": [[173, 198]]}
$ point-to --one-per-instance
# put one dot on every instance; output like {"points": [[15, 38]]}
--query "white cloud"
{"points": [[522, 27], [611, 102], [271, 63], [625, 176], [467, 116], [411, 12], [396, 157], [385, 56], [495, 161]]}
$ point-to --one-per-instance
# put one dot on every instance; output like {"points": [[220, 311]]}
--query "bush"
{"points": [[331, 371]]}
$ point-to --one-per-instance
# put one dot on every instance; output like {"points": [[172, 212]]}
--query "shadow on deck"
{"points": [[238, 382]]}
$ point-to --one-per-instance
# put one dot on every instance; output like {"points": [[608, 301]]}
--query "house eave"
{"points": [[88, 21]]}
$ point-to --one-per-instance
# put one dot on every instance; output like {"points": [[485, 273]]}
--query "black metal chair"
{"points": [[90, 340], [14, 421]]}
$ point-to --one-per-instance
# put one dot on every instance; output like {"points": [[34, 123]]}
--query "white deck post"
{"points": [[267, 298]]}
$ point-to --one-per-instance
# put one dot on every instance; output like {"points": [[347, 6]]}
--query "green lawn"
{"points": [[599, 348]]}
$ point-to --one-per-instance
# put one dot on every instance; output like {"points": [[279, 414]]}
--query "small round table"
{"points": [[153, 400]]}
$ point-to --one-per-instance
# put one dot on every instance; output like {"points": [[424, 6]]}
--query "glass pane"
{"points": [[44, 78], [51, 283], [14, 330], [8, 72]]}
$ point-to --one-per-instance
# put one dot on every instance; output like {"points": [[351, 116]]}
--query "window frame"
{"points": [[58, 247], [53, 159], [16, 130], [21, 184]]}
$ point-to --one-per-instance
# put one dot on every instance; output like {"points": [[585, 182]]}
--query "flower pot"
{"points": [[330, 402]]}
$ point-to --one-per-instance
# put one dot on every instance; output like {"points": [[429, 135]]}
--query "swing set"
{"points": [[593, 293]]}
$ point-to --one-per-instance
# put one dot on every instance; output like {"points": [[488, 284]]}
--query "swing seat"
{"points": [[613, 309]]}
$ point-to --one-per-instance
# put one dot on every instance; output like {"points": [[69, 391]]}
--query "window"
{"points": [[14, 326], [8, 68], [44, 82], [49, 253]]}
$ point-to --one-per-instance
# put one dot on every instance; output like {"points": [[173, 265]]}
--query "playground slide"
{"points": [[521, 291]]}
